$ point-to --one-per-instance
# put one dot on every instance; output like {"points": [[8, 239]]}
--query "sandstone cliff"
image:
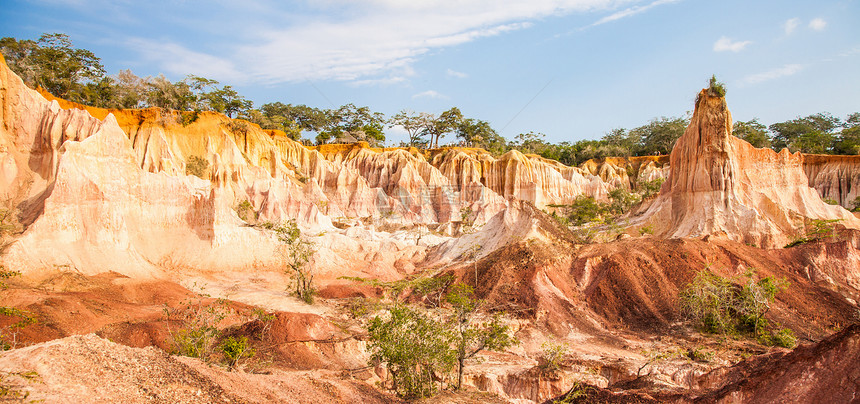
{"points": [[834, 177], [722, 185], [100, 190]]}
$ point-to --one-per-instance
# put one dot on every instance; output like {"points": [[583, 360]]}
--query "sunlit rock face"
{"points": [[721, 185], [146, 192]]}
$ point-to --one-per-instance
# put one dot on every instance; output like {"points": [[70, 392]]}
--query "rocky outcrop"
{"points": [[722, 185], [834, 177], [825, 372]]}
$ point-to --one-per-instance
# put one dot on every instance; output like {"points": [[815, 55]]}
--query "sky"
{"points": [[570, 69]]}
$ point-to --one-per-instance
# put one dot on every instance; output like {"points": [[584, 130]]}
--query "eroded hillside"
{"points": [[126, 216]]}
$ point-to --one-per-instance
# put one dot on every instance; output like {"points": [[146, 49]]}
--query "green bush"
{"points": [[236, 349], [621, 200], [830, 201], [716, 88], [815, 230], [552, 356], [296, 252], [414, 347], [719, 305], [199, 321], [650, 188], [196, 166]]}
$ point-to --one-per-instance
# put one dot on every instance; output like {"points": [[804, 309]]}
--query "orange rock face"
{"points": [[722, 185]]}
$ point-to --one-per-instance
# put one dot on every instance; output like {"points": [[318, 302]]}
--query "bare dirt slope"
{"points": [[89, 369]]}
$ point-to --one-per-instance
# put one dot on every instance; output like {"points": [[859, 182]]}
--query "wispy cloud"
{"points": [[372, 40], [179, 60], [429, 94], [631, 11], [817, 24], [726, 44], [790, 25], [456, 74], [773, 74]]}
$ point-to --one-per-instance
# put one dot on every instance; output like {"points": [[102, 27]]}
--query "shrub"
{"points": [[196, 166], [830, 201], [296, 252], [648, 229], [199, 326], [855, 204], [246, 211], [718, 305], [650, 188], [414, 347], [236, 349], [716, 88], [621, 200], [552, 355], [816, 229]]}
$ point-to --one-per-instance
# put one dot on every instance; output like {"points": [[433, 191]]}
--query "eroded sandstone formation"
{"points": [[721, 185]]}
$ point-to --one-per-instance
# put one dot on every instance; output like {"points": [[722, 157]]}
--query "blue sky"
{"points": [[571, 69]]}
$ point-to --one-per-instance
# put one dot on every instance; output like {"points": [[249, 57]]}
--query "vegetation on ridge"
{"points": [[78, 75]]}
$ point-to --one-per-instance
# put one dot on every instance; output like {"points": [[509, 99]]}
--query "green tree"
{"points": [[530, 142], [413, 123], [753, 132], [659, 135], [297, 252], [438, 126], [414, 347], [53, 63], [811, 134], [621, 138], [227, 101], [848, 141], [478, 133], [471, 337]]}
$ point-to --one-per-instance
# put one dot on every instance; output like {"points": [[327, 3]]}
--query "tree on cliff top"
{"points": [[53, 63]]}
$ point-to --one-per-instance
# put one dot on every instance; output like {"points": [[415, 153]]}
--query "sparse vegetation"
{"points": [[246, 212], [196, 165], [419, 348], [296, 252], [14, 392], [415, 349], [9, 333], [816, 230], [716, 88], [830, 201], [235, 349], [199, 318], [650, 188], [552, 356], [733, 306]]}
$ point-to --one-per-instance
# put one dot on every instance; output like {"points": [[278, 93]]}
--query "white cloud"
{"points": [[456, 74], [181, 61], [784, 71], [376, 38], [726, 44], [628, 12], [429, 94], [791, 25], [818, 24]]}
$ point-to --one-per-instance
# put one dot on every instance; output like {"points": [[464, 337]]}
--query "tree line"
{"points": [[77, 75]]}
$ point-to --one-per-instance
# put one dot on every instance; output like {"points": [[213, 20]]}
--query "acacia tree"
{"points": [[297, 252], [470, 337], [414, 347], [437, 127], [413, 123]]}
